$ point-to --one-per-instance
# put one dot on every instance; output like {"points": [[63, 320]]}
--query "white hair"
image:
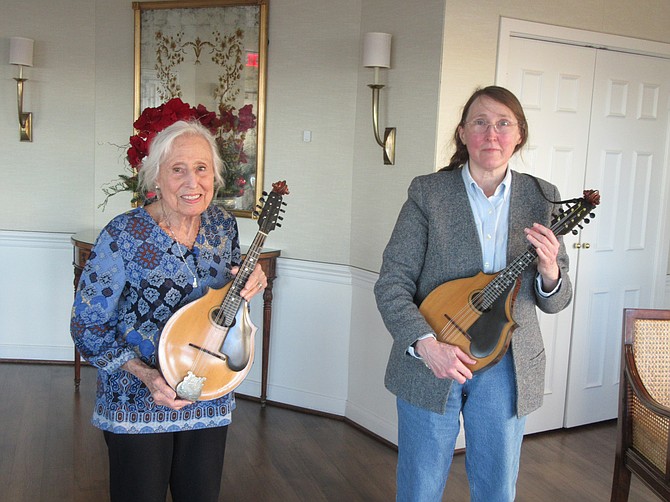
{"points": [[161, 147]]}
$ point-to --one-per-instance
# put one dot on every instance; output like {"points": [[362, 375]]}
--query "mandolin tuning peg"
{"points": [[281, 218], [283, 203], [265, 193], [587, 221], [575, 232], [255, 214], [592, 215], [279, 225]]}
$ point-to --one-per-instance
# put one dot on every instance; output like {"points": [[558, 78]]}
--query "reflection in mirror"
{"points": [[212, 54]]}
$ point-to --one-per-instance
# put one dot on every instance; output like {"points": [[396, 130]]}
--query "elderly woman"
{"points": [[144, 266]]}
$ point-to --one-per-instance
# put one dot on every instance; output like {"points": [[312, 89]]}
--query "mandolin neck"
{"points": [[507, 277], [232, 300]]}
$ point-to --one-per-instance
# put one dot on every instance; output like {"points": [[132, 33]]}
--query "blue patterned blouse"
{"points": [[133, 281]]}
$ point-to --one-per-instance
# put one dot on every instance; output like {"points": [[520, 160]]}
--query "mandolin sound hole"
{"points": [[218, 317], [477, 301]]}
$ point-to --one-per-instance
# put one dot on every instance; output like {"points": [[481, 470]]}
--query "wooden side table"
{"points": [[83, 243]]}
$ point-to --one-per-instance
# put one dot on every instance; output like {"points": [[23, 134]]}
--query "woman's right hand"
{"points": [[161, 392], [445, 360]]}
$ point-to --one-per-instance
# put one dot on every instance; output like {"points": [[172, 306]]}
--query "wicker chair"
{"points": [[643, 431]]}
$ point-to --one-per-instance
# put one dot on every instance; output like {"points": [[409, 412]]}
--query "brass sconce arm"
{"points": [[25, 118], [389, 133], [21, 54], [377, 54]]}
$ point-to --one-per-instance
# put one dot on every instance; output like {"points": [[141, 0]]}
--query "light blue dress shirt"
{"points": [[492, 220]]}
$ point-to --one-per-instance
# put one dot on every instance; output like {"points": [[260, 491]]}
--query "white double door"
{"points": [[598, 119]]}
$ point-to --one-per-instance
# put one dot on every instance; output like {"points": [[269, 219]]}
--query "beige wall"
{"points": [[47, 184], [343, 200], [80, 91]]}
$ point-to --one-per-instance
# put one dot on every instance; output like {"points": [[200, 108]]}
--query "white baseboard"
{"points": [[308, 400], [384, 427]]}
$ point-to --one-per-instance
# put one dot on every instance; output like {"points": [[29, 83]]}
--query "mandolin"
{"points": [[475, 313], [207, 347]]}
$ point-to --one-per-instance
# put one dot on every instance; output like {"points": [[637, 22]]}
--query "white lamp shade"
{"points": [[377, 50], [21, 51]]}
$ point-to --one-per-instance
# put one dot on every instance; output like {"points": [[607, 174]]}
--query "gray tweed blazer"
{"points": [[434, 241]]}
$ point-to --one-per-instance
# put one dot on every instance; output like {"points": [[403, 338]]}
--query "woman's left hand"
{"points": [[256, 283], [546, 244]]}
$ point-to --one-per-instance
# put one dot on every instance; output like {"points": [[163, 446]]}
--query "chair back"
{"points": [[643, 429]]}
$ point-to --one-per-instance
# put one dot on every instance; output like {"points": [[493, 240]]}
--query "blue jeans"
{"points": [[493, 436]]}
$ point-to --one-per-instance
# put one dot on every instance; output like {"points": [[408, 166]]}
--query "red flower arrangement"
{"points": [[230, 140], [154, 120], [230, 131]]}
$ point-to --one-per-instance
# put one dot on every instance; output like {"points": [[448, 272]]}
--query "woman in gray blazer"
{"points": [[474, 215]]}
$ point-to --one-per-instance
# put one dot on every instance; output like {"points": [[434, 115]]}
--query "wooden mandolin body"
{"points": [[452, 311], [193, 341]]}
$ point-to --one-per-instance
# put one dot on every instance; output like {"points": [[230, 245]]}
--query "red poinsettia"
{"points": [[154, 120], [229, 128], [234, 127]]}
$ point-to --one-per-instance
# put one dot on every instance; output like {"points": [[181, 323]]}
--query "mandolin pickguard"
{"points": [[192, 342], [484, 335], [486, 330]]}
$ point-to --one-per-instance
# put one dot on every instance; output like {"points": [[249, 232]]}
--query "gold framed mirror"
{"points": [[211, 53]]}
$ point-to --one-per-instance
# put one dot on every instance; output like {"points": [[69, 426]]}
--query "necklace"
{"points": [[183, 258]]}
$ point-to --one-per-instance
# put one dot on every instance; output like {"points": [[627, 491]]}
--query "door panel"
{"points": [[598, 120], [554, 83], [627, 145]]}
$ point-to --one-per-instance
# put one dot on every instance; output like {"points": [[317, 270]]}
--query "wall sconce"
{"points": [[21, 54], [377, 54]]}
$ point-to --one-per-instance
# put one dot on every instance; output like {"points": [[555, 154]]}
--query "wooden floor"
{"points": [[50, 452]]}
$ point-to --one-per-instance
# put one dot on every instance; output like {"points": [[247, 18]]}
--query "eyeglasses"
{"points": [[481, 126]]}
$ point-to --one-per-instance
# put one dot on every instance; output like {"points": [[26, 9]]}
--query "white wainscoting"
{"points": [[309, 347], [328, 346], [369, 403], [35, 296]]}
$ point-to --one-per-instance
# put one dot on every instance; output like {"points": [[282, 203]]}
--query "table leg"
{"points": [[267, 321], [77, 369]]}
